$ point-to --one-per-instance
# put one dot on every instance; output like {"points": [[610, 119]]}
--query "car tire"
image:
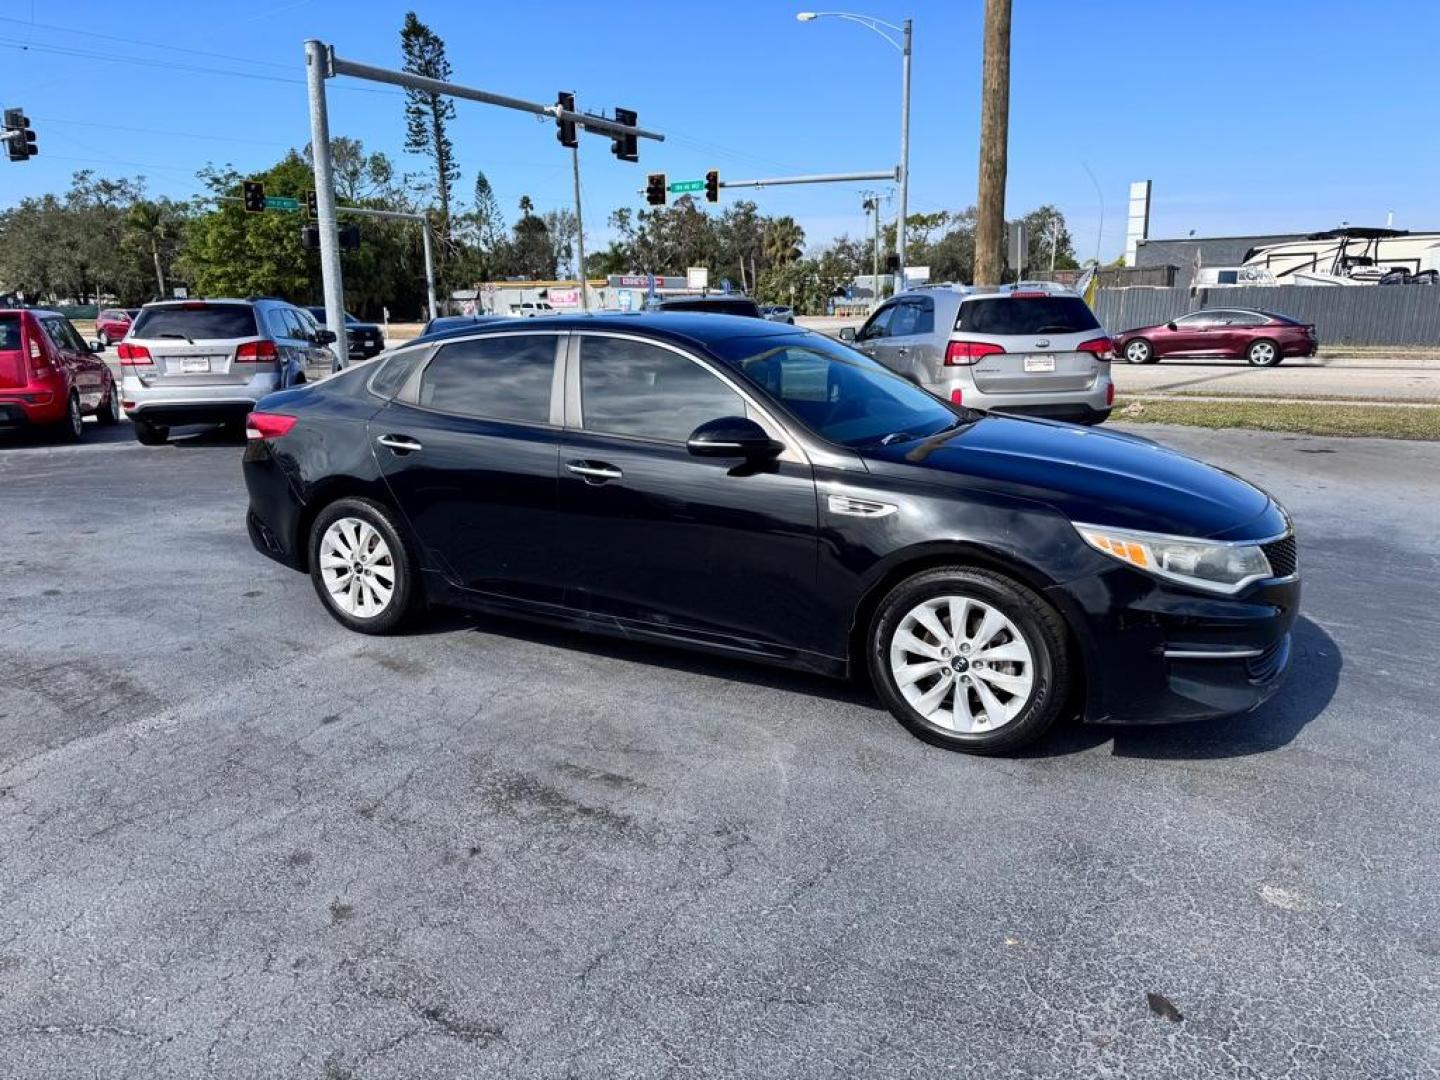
{"points": [[148, 434], [1139, 351], [1263, 353], [109, 413], [103, 338], [1027, 682], [72, 428], [356, 595]]}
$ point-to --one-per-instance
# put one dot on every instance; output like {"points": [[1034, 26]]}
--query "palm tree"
{"points": [[783, 241], [526, 205], [151, 223]]}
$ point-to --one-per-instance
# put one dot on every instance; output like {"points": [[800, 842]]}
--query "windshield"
{"points": [[838, 393]]}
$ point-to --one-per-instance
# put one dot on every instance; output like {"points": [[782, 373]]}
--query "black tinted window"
{"points": [[632, 388], [717, 307], [394, 371], [9, 333], [1027, 315], [503, 378], [197, 322]]}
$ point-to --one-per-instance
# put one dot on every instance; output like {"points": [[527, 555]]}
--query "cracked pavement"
{"points": [[238, 841]]}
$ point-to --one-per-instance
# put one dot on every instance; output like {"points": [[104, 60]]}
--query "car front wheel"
{"points": [[360, 567], [970, 660]]}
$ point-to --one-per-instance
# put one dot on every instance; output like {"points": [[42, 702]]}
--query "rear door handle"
{"points": [[594, 471], [401, 444], [900, 350]]}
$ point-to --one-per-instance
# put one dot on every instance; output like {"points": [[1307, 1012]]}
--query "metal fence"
{"points": [[1359, 315]]}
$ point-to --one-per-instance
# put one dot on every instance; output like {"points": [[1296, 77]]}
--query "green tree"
{"points": [[427, 114], [489, 221], [784, 241]]}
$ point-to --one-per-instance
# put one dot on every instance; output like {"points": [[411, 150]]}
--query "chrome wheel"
{"points": [[1262, 354], [962, 664], [1137, 352], [357, 567], [75, 418]]}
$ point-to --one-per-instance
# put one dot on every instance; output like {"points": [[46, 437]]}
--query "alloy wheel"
{"points": [[1137, 352], [962, 664], [357, 567], [1262, 354], [75, 417]]}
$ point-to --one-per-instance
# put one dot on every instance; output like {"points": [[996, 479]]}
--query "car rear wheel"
{"points": [[969, 660], [109, 411], [360, 567], [148, 434], [1139, 351], [72, 427], [1263, 353]]}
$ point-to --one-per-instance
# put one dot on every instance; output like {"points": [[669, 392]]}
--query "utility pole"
{"points": [[872, 206], [580, 232], [901, 224], [317, 69], [994, 134]]}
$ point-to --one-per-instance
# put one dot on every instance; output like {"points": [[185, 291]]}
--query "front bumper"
{"points": [[1157, 653]]}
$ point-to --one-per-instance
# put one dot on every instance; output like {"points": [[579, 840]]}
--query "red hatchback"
{"points": [[49, 377], [1261, 337]]}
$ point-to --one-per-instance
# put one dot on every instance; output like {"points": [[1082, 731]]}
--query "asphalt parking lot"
{"points": [[236, 840]]}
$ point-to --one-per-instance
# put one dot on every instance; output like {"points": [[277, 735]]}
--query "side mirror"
{"points": [[1171, 326], [325, 337], [97, 346], [732, 436], [847, 333]]}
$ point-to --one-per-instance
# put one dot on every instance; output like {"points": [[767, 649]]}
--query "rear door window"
{"points": [[1027, 315], [197, 322], [497, 378]]}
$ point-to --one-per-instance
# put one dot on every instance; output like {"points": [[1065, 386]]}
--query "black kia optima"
{"points": [[761, 491]]}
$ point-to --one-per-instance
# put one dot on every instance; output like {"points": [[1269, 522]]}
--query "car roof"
{"points": [[32, 310], [675, 326]]}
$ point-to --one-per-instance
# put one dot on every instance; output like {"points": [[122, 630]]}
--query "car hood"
{"points": [[1100, 477]]}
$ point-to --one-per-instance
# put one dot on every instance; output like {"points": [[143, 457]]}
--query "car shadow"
{"points": [[1314, 676], [29, 438], [1311, 683]]}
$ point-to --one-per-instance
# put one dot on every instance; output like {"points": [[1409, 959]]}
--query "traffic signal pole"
{"points": [[316, 72], [580, 233], [818, 178]]}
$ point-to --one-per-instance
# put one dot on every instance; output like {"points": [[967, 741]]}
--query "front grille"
{"points": [[1263, 668], [1283, 557]]}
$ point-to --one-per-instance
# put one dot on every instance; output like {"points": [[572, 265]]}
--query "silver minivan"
{"points": [[209, 361], [1031, 348]]}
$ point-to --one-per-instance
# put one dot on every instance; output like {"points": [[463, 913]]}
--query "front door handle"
{"points": [[900, 350], [401, 444], [594, 472]]}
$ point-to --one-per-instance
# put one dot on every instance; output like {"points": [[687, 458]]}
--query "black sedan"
{"points": [[746, 488], [364, 339]]}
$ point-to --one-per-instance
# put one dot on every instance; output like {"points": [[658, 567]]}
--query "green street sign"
{"points": [[679, 187], [281, 202]]}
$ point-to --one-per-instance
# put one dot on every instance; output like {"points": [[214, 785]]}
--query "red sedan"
{"points": [[49, 377], [1261, 337], [112, 324]]}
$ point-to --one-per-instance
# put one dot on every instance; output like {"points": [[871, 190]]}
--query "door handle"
{"points": [[401, 444], [900, 350], [594, 472]]}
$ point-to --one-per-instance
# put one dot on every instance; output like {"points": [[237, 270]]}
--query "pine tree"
{"points": [[489, 221], [427, 114]]}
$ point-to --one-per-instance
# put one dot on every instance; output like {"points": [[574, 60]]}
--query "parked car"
{"points": [[531, 308], [1037, 350], [363, 339], [112, 324], [764, 492], [209, 361], [1261, 337], [451, 322], [713, 305], [778, 313], [49, 377]]}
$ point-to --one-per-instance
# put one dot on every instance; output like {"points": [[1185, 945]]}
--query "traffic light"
{"points": [[312, 205], [254, 197], [566, 133], [19, 146], [655, 189], [350, 238], [712, 186], [625, 147], [310, 237]]}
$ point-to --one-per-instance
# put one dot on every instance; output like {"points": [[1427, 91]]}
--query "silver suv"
{"points": [[1029, 348], [209, 361]]}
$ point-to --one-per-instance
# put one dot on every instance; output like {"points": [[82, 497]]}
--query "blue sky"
{"points": [[1249, 117]]}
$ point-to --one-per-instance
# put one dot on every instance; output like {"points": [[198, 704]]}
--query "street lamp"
{"points": [[904, 46]]}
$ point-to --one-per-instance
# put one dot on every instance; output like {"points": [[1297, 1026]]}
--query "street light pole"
{"points": [[903, 45]]}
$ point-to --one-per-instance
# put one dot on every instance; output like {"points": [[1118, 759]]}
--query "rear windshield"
{"points": [[1026, 315], [719, 307], [209, 321], [9, 333]]}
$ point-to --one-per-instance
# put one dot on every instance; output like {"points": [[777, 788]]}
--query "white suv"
{"points": [[209, 361], [1031, 348]]}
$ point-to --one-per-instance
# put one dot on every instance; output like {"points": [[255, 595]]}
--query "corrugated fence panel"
{"points": [[1354, 315]]}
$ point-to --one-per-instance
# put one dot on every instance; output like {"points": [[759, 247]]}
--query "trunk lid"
{"points": [[1041, 336], [14, 359], [199, 343]]}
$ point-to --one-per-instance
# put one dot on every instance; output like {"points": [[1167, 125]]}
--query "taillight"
{"points": [[265, 425], [257, 352], [1102, 347], [959, 353], [134, 355], [1028, 295]]}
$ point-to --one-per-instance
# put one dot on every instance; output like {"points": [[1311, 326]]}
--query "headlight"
{"points": [[1212, 565]]}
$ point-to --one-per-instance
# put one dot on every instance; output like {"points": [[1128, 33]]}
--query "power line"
{"points": [[157, 131], [167, 46]]}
